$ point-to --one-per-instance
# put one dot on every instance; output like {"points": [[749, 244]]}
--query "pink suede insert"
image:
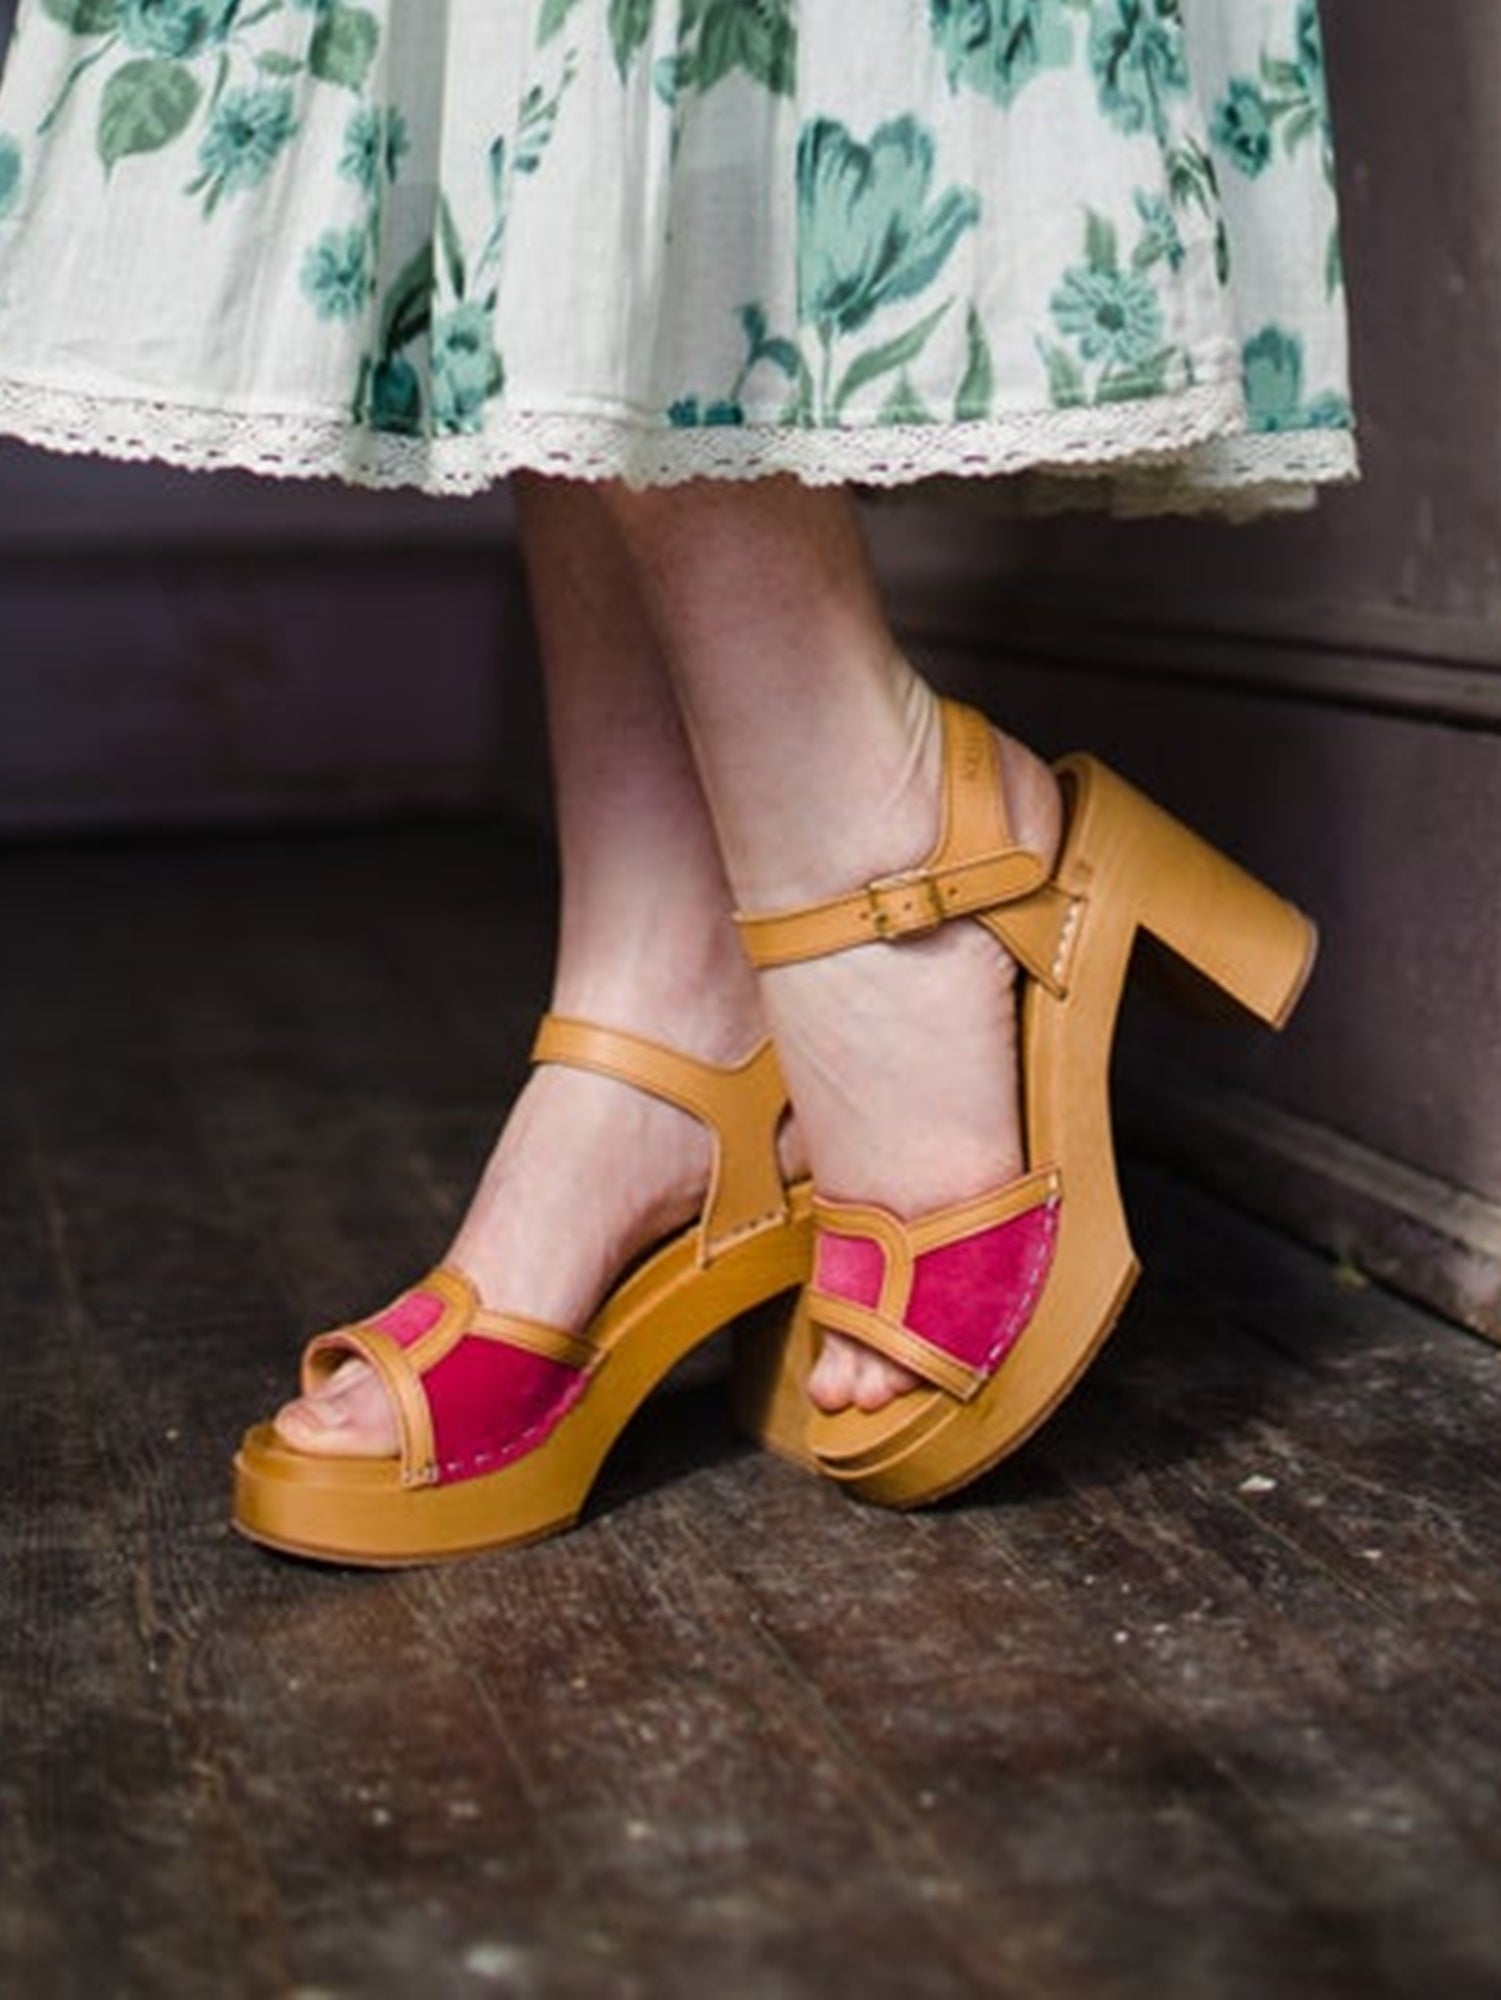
{"points": [[410, 1318], [851, 1267], [491, 1404], [973, 1298]]}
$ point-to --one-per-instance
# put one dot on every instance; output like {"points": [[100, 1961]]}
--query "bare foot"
{"points": [[587, 1174], [902, 1060]]}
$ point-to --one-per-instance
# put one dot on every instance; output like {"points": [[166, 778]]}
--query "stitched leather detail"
{"points": [[1038, 932], [983, 1228], [741, 1104], [897, 1342], [403, 1370], [987, 1211]]}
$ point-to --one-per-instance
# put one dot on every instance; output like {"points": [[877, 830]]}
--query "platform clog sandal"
{"points": [[999, 1304], [504, 1421]]}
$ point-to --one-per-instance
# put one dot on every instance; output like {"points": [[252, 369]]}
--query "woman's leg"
{"points": [[819, 750], [587, 1171]]}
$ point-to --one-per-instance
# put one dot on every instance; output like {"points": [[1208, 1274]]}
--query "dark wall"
{"points": [[1323, 693]]}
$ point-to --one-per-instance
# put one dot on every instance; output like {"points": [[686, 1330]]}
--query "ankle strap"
{"points": [[741, 1104], [974, 867]]}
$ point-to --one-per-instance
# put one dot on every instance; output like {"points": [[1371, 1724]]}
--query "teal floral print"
{"points": [[435, 365], [1286, 102], [169, 27], [188, 52], [998, 46], [1274, 387], [1140, 63], [1114, 346], [715, 38], [467, 371], [868, 236], [375, 142], [247, 130], [336, 274], [1243, 127], [871, 235], [413, 243], [1112, 314], [867, 232]]}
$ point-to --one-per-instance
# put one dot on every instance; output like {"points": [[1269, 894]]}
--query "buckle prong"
{"points": [[907, 904]]}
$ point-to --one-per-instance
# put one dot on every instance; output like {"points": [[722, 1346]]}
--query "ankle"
{"points": [[690, 988], [867, 803]]}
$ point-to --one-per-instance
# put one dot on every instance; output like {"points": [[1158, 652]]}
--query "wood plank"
{"points": [[1199, 1694]]}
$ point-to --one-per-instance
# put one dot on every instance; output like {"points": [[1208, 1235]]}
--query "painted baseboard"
{"points": [[1353, 761], [1433, 1242]]}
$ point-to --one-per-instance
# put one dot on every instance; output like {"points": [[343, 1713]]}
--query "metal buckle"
{"points": [[906, 905]]}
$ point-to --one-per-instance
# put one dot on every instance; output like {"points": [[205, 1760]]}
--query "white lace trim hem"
{"points": [[1163, 452]]}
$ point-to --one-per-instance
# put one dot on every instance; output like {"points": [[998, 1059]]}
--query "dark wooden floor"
{"points": [[1201, 1695]]}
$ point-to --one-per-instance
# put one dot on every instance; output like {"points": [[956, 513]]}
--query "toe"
{"points": [[831, 1386], [879, 1382], [350, 1417]]}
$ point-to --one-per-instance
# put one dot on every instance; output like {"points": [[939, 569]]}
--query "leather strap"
{"points": [[897, 1342], [974, 870], [401, 1379], [535, 1336], [901, 1243], [742, 1105]]}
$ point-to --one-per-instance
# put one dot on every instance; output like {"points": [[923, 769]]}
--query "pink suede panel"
{"points": [[491, 1404], [973, 1298], [851, 1267], [409, 1318]]}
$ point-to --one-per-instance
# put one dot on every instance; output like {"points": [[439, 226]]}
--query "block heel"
{"points": [[1240, 946]]}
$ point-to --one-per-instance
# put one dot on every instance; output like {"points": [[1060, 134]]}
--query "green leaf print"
{"points": [[344, 45], [904, 405], [894, 353], [630, 26], [1147, 377], [11, 174], [977, 389], [453, 248], [997, 47], [1101, 244], [1067, 387], [552, 18], [408, 307], [1140, 62], [754, 35], [715, 39], [85, 17], [146, 104]]}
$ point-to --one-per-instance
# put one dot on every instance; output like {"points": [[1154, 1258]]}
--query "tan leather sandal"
{"points": [[999, 1304], [505, 1421]]}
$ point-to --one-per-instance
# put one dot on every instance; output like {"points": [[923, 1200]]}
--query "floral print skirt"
{"points": [[1086, 245]]}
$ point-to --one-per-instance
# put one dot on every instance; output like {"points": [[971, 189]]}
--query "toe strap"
{"points": [[924, 1358], [401, 1381], [946, 1295]]}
